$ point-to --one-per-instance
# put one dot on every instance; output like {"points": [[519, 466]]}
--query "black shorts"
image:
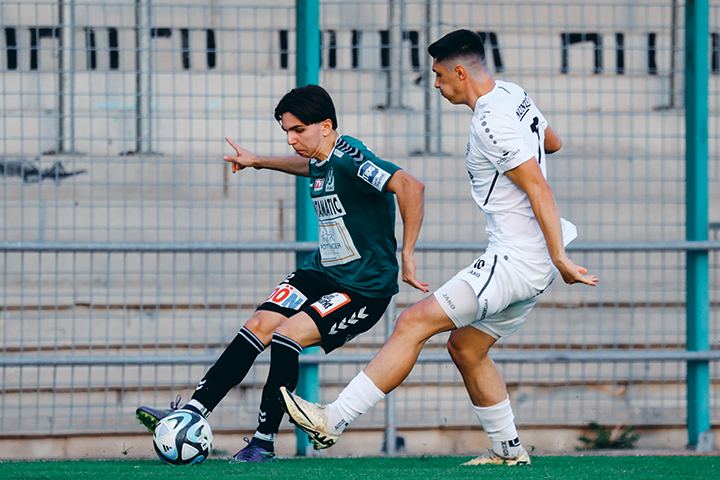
{"points": [[340, 314]]}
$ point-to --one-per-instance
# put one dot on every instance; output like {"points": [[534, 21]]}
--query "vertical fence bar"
{"points": [[696, 208], [307, 71], [66, 100], [143, 65], [390, 400]]}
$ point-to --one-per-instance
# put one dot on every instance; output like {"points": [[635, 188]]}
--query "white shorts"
{"points": [[496, 293]]}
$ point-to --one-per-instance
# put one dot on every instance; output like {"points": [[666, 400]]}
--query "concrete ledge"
{"points": [[543, 440]]}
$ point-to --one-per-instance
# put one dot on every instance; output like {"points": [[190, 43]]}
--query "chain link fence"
{"points": [[131, 255]]}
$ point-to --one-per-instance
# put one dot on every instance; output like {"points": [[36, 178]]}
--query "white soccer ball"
{"points": [[183, 438]]}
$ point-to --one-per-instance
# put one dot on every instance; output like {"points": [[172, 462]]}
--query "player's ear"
{"points": [[327, 127], [460, 72]]}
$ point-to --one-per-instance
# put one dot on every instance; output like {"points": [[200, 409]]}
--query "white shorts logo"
{"points": [[287, 296], [330, 303]]}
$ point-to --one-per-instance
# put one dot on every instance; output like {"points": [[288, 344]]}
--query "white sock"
{"points": [[204, 411], [357, 398], [270, 437], [498, 422]]}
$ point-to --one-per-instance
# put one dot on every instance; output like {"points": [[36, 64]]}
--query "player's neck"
{"points": [[327, 146], [479, 87]]}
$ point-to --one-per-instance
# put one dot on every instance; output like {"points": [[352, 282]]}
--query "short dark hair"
{"points": [[457, 44], [310, 104]]}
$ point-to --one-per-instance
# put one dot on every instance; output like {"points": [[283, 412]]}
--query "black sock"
{"points": [[193, 408], [284, 370], [229, 370], [268, 445]]}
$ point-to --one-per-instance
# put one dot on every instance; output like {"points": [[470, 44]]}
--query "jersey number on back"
{"points": [[534, 128]]}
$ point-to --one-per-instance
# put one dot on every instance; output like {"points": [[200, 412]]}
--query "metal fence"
{"points": [[131, 255]]}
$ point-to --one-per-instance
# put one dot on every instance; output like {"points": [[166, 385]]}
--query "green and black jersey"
{"points": [[356, 218]]}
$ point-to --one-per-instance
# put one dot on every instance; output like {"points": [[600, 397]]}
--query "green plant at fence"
{"points": [[608, 438]]}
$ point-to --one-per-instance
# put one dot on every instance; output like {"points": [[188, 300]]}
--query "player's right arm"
{"points": [[295, 164], [529, 178]]}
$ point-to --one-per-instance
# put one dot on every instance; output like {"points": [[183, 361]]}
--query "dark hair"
{"points": [[457, 44], [310, 104]]}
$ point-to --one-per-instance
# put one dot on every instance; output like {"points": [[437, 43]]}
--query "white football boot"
{"points": [[311, 418], [492, 458]]}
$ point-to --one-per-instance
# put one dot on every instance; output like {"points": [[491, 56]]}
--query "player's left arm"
{"points": [[529, 178], [552, 143], [410, 194]]}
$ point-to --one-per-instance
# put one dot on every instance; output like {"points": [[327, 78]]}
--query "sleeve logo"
{"points": [[373, 175], [507, 156]]}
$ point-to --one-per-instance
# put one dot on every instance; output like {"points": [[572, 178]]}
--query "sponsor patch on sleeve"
{"points": [[287, 296], [374, 175], [330, 303], [507, 156]]}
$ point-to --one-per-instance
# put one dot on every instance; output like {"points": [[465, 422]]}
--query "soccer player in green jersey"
{"points": [[345, 285]]}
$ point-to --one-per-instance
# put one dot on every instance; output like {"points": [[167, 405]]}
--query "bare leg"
{"points": [[469, 348], [394, 362]]}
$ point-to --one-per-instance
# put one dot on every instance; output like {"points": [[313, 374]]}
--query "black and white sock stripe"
{"points": [[252, 339], [286, 342]]}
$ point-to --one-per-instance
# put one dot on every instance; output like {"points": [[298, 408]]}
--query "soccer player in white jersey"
{"points": [[491, 298]]}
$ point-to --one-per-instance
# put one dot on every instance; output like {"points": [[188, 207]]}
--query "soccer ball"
{"points": [[183, 438]]}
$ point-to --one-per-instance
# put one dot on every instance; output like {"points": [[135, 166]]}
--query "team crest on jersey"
{"points": [[287, 296], [331, 302], [374, 175], [319, 182], [330, 181]]}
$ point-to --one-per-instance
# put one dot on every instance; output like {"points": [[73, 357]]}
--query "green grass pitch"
{"points": [[415, 468]]}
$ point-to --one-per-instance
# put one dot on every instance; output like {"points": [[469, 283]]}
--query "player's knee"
{"points": [[410, 325], [262, 326], [463, 352], [457, 350]]}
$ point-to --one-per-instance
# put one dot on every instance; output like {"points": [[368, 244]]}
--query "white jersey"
{"points": [[507, 130]]}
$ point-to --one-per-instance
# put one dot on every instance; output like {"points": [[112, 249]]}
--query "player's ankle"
{"points": [[197, 407], [336, 422], [264, 442], [507, 448]]}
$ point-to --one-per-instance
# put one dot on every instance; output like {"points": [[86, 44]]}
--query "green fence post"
{"points": [[307, 71], [696, 227]]}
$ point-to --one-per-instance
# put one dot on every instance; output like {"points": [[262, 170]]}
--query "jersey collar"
{"points": [[485, 99], [317, 163]]}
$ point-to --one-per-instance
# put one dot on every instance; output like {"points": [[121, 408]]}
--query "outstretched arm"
{"points": [[529, 178], [410, 196], [295, 164]]}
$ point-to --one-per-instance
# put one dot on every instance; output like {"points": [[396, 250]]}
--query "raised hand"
{"points": [[242, 159]]}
